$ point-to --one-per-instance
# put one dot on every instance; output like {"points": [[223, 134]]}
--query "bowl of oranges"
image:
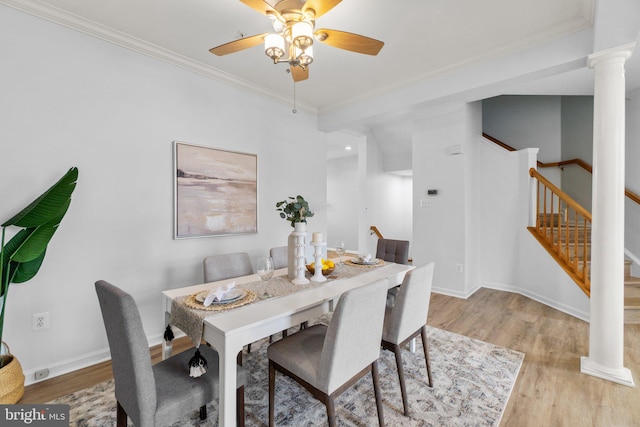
{"points": [[328, 267]]}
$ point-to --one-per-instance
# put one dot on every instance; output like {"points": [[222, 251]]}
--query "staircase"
{"points": [[631, 296], [563, 228]]}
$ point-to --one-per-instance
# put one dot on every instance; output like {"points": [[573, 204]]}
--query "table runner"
{"points": [[190, 320]]}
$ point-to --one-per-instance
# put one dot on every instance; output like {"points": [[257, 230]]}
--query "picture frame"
{"points": [[215, 192]]}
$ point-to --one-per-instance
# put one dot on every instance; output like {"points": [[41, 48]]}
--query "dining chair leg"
{"points": [[272, 387], [203, 412], [423, 334], [249, 348], [376, 390], [121, 416], [331, 411], [397, 351], [240, 406]]}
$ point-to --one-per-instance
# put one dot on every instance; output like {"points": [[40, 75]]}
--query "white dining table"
{"points": [[229, 331]]}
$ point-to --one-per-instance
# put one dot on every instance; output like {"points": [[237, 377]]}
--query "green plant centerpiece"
{"points": [[294, 209], [22, 256]]}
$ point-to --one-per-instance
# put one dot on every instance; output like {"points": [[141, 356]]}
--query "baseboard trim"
{"points": [[85, 361], [572, 311]]}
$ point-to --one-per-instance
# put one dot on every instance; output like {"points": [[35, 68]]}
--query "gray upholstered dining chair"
{"points": [[152, 395], [328, 360], [393, 250], [407, 318], [280, 255], [227, 266]]}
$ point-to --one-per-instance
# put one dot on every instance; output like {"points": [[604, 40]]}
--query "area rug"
{"points": [[472, 384]]}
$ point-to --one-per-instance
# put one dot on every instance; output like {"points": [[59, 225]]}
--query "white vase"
{"points": [[291, 263], [297, 262]]}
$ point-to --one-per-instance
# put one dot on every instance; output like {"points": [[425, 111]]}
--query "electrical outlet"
{"points": [[40, 321], [42, 373]]}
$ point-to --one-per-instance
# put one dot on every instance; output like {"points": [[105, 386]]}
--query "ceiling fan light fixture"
{"points": [[292, 38], [304, 57], [274, 46], [302, 34]]}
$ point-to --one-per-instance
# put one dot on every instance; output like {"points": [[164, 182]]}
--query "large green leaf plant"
{"points": [[21, 257]]}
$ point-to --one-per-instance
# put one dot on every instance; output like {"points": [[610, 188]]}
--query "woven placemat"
{"points": [[355, 264], [192, 302]]}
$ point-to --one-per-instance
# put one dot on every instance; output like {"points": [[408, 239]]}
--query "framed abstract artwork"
{"points": [[215, 192]]}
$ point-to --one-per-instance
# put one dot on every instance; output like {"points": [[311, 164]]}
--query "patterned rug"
{"points": [[472, 384]]}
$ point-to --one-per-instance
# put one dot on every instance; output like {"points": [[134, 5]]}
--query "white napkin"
{"points": [[366, 258], [218, 293]]}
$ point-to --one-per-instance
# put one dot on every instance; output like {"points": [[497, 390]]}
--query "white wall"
{"points": [[525, 122], [521, 118], [361, 194], [388, 201], [500, 213], [577, 143], [440, 222], [71, 100], [632, 177], [512, 259], [480, 215], [342, 201]]}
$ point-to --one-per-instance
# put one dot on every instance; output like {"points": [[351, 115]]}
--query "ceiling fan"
{"points": [[294, 34]]}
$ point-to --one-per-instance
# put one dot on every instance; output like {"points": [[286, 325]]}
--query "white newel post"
{"points": [[606, 331]]}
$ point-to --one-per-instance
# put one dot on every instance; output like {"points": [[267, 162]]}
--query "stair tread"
{"points": [[632, 281], [632, 303]]}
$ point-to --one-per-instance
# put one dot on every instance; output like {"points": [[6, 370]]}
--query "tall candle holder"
{"points": [[300, 263], [317, 253]]}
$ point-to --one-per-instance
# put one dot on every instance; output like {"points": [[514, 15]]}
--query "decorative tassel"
{"points": [[168, 334], [197, 365]]}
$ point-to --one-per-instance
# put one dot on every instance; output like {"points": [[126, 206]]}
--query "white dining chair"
{"points": [[328, 360], [407, 319]]}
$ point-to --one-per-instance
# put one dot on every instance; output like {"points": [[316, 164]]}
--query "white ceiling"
{"points": [[424, 39]]}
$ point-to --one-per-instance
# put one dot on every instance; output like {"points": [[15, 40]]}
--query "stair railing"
{"points": [[563, 227], [374, 230], [584, 165]]}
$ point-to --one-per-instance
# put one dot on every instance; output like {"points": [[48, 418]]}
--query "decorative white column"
{"points": [[606, 330]]}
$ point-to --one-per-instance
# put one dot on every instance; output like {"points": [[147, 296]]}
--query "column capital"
{"points": [[618, 52]]}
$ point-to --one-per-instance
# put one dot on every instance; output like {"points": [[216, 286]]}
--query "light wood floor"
{"points": [[550, 390]]}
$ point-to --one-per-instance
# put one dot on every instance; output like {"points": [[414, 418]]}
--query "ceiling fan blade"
{"points": [[320, 6], [349, 41], [238, 45], [298, 73], [260, 5]]}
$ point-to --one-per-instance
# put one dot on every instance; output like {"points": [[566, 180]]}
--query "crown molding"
{"points": [[102, 32]]}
